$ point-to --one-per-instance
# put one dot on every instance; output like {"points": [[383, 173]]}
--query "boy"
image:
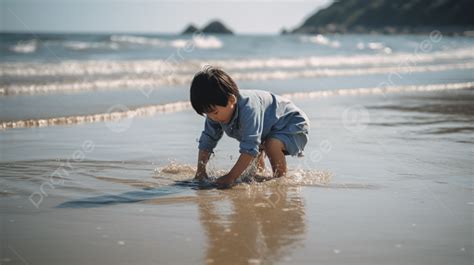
{"points": [[259, 120]]}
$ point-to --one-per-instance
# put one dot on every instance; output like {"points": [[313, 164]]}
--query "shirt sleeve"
{"points": [[210, 136], [252, 128]]}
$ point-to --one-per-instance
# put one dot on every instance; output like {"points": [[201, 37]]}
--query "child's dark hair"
{"points": [[211, 87]]}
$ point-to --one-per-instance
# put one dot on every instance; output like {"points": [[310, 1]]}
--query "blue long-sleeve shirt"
{"points": [[258, 114]]}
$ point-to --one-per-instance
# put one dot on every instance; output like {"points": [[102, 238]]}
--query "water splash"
{"points": [[184, 173]]}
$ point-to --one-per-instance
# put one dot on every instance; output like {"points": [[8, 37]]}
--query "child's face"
{"points": [[223, 114]]}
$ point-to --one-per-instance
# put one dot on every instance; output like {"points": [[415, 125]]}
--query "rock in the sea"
{"points": [[190, 29], [216, 27], [284, 31]]}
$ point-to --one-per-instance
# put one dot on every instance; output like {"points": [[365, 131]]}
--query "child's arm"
{"points": [[209, 137], [242, 163], [203, 157], [251, 120]]}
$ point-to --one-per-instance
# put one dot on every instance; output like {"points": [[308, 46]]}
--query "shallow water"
{"points": [[386, 177], [399, 188]]}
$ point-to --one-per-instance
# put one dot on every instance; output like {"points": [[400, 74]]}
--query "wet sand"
{"points": [[387, 179]]}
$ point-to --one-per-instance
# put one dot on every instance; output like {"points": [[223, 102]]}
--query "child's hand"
{"points": [[225, 182], [201, 176]]}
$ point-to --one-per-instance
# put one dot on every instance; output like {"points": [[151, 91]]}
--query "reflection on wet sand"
{"points": [[439, 113], [258, 225]]}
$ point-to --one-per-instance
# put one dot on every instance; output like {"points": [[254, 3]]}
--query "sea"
{"points": [[99, 147]]}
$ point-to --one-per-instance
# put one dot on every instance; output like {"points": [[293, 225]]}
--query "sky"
{"points": [[153, 16]]}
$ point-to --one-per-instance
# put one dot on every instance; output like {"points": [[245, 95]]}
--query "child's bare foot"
{"points": [[262, 178]]}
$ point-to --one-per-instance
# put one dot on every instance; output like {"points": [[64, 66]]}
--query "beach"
{"points": [[97, 172]]}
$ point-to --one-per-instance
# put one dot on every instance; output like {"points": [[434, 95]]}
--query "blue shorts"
{"points": [[294, 143], [294, 136]]}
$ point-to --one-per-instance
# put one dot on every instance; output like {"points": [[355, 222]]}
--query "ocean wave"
{"points": [[200, 42], [379, 90], [207, 42], [83, 45], [378, 46], [100, 117], [25, 46], [321, 40], [351, 71], [80, 68], [185, 105], [152, 81], [137, 40], [105, 67]]}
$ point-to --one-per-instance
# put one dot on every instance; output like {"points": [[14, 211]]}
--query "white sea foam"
{"points": [[379, 90], [351, 71], [147, 81], [379, 46], [184, 105], [207, 42], [25, 46], [201, 42], [374, 46], [179, 43], [105, 67], [83, 45], [137, 40], [321, 40], [99, 117]]}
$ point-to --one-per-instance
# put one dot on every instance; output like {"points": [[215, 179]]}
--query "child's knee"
{"points": [[274, 145]]}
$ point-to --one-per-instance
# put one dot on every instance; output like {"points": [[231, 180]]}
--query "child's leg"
{"points": [[261, 159], [274, 149]]}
